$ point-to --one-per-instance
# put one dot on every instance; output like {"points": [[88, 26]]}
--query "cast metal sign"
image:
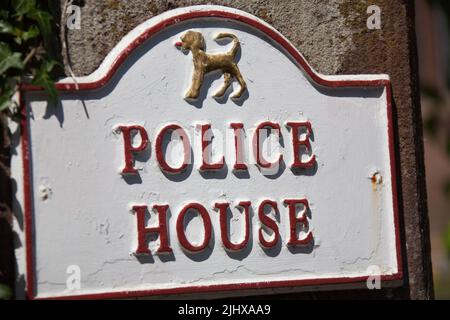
{"points": [[205, 154]]}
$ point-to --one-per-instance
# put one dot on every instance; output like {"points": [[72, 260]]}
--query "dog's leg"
{"points": [[241, 81], [197, 80], [227, 81]]}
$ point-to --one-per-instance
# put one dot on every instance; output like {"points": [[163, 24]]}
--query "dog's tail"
{"points": [[236, 43]]}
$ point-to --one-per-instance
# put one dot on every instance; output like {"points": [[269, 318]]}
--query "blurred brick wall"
{"points": [[433, 51]]}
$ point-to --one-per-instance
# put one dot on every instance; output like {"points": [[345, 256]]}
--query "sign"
{"points": [[206, 155]]}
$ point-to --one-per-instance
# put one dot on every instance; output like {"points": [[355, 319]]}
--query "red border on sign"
{"points": [[275, 36]]}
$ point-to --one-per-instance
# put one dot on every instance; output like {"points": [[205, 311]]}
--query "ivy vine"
{"points": [[27, 48]]}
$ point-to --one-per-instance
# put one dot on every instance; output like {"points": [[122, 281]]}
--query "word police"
{"points": [[301, 153]]}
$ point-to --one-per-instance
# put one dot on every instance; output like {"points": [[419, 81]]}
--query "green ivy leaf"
{"points": [[48, 65], [43, 79], [5, 102], [23, 6], [21, 21], [9, 59], [25, 35], [43, 20], [6, 97], [31, 33], [6, 27], [5, 292], [8, 89]]}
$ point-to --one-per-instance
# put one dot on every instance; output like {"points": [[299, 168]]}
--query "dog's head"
{"points": [[191, 40]]}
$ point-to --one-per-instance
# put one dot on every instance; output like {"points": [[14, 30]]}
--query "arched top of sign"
{"points": [[151, 27]]}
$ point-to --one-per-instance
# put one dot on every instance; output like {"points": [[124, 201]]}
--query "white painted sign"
{"points": [[205, 154]]}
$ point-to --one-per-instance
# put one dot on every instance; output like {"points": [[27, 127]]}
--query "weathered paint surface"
{"points": [[350, 190]]}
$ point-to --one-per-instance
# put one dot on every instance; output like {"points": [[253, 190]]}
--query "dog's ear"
{"points": [[197, 39], [201, 41]]}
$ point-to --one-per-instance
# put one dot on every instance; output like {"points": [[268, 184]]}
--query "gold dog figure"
{"points": [[205, 63]]}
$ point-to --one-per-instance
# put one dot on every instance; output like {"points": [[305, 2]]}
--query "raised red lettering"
{"points": [[160, 152], [268, 223], [129, 149], [238, 146], [143, 231], [294, 221], [223, 207], [260, 160], [206, 153], [297, 143], [206, 224]]}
